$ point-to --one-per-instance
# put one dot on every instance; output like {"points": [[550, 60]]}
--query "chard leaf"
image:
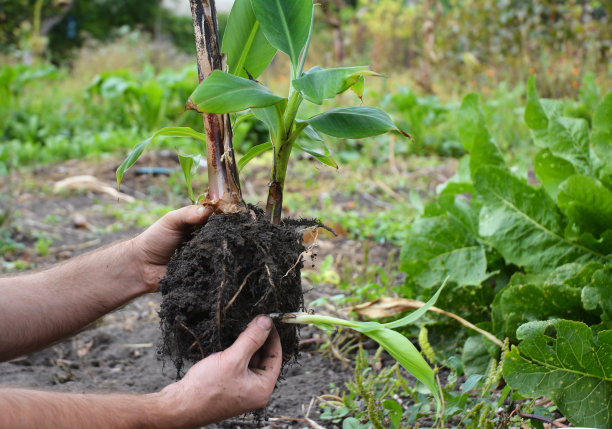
{"points": [[225, 93], [475, 135], [286, 24], [252, 153], [319, 84], [140, 147], [535, 116], [524, 224], [587, 203], [551, 171], [353, 122], [244, 42], [442, 246], [567, 362], [189, 165]]}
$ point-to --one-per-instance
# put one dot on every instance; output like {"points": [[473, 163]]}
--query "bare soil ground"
{"points": [[119, 352]]}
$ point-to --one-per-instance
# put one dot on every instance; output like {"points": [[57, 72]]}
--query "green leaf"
{"points": [[521, 303], [602, 133], [535, 116], [353, 122], [596, 292], [403, 351], [319, 84], [524, 224], [566, 138], [461, 182], [225, 93], [267, 115], [475, 357], [566, 362], [443, 246], [140, 147], [417, 314], [551, 171], [244, 42], [252, 153], [475, 135], [285, 23], [322, 157], [189, 165], [587, 203]]}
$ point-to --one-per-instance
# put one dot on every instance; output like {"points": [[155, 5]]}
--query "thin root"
{"points": [[229, 304], [176, 319]]}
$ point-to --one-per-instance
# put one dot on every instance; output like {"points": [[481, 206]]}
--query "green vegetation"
{"points": [[506, 194]]}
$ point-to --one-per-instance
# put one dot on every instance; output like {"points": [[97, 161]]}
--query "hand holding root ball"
{"points": [[33, 314], [236, 380]]}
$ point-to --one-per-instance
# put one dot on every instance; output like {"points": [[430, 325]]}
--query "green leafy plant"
{"points": [[256, 30], [520, 252], [252, 39]]}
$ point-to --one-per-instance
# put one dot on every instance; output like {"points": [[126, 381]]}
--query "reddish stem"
{"points": [[223, 181]]}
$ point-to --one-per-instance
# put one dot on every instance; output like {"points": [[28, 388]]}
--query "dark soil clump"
{"points": [[234, 268]]}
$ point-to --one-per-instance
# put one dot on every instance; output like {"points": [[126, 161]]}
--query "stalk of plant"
{"points": [[245, 261]]}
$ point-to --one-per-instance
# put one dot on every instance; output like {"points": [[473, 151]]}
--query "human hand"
{"points": [[225, 384], [156, 245]]}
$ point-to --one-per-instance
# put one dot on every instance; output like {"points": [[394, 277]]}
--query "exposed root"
{"points": [[229, 304], [176, 319]]}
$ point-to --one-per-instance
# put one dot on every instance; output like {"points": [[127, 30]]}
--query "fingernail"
{"points": [[264, 322], [200, 211]]}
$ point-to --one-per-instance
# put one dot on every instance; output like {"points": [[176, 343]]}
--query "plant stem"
{"points": [[283, 144], [223, 181]]}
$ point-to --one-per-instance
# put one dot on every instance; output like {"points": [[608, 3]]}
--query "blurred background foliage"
{"points": [[82, 77]]}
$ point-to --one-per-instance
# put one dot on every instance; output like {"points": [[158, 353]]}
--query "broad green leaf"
{"points": [[461, 182], [602, 133], [286, 24], [596, 293], [442, 246], [319, 84], [521, 303], [225, 93], [252, 153], [267, 115], [310, 132], [140, 147], [566, 138], [475, 135], [587, 203], [322, 157], [524, 224], [475, 357], [353, 122], [244, 42], [551, 171], [566, 362], [189, 165], [535, 116]]}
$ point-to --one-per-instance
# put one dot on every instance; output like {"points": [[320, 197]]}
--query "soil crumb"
{"points": [[232, 269]]}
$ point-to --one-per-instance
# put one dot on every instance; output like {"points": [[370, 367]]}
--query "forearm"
{"points": [[40, 308], [36, 409]]}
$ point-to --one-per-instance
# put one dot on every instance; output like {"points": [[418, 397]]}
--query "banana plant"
{"points": [[256, 31]]}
